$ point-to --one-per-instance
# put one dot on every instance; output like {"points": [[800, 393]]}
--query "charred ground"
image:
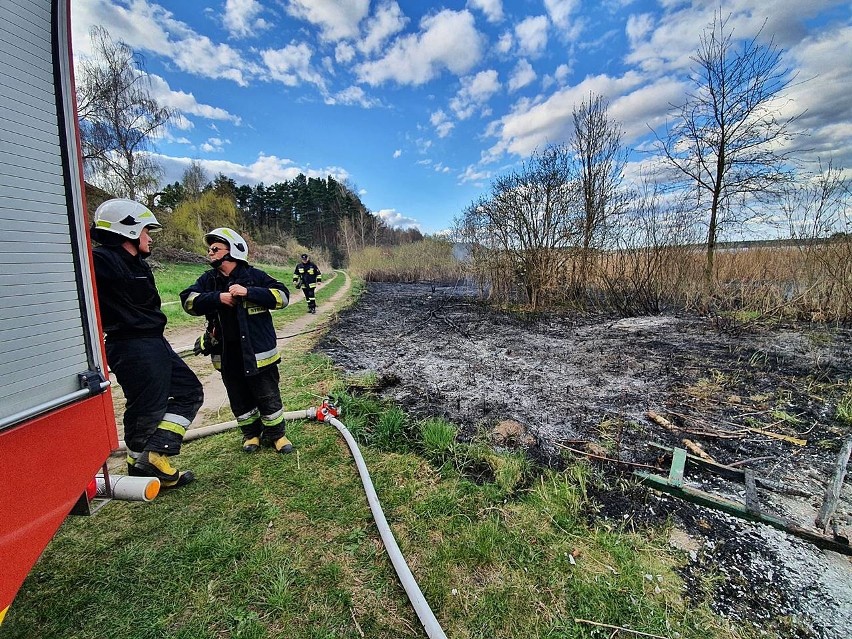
{"points": [[587, 383]]}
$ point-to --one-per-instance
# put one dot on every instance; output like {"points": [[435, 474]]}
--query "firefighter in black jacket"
{"points": [[162, 394], [306, 277], [237, 299]]}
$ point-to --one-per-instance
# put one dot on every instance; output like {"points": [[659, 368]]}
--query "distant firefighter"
{"points": [[306, 277]]}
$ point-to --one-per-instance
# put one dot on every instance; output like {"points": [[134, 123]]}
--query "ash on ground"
{"points": [[747, 395]]}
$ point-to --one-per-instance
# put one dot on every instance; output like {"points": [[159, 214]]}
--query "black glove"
{"points": [[205, 345]]}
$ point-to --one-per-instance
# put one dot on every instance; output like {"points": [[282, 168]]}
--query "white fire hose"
{"points": [[328, 413]]}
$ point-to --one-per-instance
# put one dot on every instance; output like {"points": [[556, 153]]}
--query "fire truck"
{"points": [[57, 425]]}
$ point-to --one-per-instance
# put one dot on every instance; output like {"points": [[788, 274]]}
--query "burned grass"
{"points": [[753, 396]]}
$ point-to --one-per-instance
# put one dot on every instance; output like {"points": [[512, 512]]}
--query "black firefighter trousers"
{"points": [[163, 395]]}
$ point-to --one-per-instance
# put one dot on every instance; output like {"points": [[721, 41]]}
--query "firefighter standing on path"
{"points": [[306, 277], [237, 299], [163, 395]]}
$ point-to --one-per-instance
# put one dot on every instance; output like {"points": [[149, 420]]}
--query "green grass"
{"points": [[268, 546]]}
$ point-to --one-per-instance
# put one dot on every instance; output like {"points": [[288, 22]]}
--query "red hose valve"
{"points": [[326, 410]]}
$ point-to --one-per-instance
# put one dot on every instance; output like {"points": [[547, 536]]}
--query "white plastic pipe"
{"points": [[127, 488], [421, 606]]}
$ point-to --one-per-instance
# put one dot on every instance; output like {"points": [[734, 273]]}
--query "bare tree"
{"points": [[599, 160], [819, 213], [728, 139], [118, 118], [527, 221], [194, 180]]}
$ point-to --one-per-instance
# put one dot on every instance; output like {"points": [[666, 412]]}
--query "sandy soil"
{"points": [[588, 383]]}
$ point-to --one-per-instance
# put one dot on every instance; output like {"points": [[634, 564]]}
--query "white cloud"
{"points": [[397, 153], [560, 12], [638, 27], [353, 95], [388, 21], [344, 53], [397, 220], [530, 126], [522, 75], [474, 174], [493, 9], [292, 65], [531, 34], [149, 27], [186, 102], [505, 43], [821, 94], [336, 19], [214, 145], [442, 123], [447, 40], [268, 169], [474, 93], [242, 19]]}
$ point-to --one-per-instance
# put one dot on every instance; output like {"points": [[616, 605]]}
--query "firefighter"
{"points": [[162, 394], [236, 299], [306, 277]]}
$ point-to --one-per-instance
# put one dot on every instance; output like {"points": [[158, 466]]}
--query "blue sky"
{"points": [[418, 106]]}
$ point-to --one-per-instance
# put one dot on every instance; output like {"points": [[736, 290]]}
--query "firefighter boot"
{"points": [[312, 306], [251, 444], [283, 445], [151, 464], [276, 437]]}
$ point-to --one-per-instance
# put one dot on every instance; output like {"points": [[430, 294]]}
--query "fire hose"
{"points": [[329, 413]]}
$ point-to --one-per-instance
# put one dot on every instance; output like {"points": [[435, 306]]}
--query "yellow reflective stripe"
{"points": [[3, 613], [104, 225], [190, 300], [274, 419], [267, 357], [280, 302], [172, 428], [248, 418]]}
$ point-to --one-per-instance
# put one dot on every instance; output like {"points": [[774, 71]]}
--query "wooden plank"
{"points": [[678, 465], [752, 500], [739, 510], [832, 491]]}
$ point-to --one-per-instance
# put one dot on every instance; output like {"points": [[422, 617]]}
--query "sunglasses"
{"points": [[218, 249]]}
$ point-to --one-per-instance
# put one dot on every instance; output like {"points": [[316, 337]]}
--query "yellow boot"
{"points": [[251, 444], [151, 464], [283, 445]]}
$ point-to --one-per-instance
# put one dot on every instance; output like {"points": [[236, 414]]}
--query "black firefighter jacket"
{"points": [[306, 275], [127, 296], [256, 333]]}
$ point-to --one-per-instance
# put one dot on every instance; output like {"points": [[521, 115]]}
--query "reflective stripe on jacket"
{"points": [[256, 333], [306, 275]]}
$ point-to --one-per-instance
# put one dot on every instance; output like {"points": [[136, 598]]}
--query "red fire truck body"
{"points": [[57, 426]]}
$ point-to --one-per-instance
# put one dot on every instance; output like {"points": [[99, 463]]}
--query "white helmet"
{"points": [[237, 246], [126, 218]]}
